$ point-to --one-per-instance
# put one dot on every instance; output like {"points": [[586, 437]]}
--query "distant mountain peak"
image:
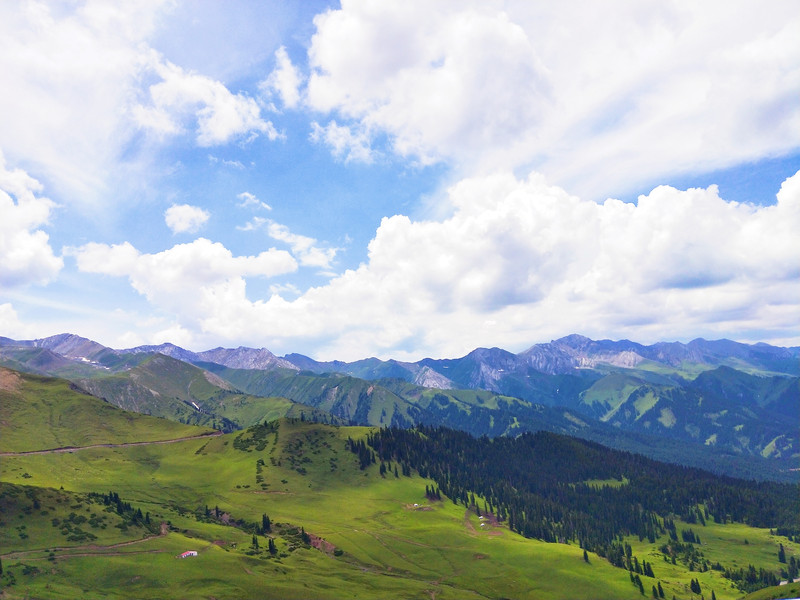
{"points": [[245, 358], [70, 346], [573, 340]]}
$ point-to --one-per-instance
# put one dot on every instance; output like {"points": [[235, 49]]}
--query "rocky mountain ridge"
{"points": [[562, 356], [739, 400]]}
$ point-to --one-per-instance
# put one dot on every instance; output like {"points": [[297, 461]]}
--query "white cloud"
{"points": [[517, 261], [249, 200], [80, 80], [304, 248], [180, 96], [184, 218], [598, 96], [10, 324], [69, 73], [194, 281], [343, 142], [285, 80], [25, 253]]}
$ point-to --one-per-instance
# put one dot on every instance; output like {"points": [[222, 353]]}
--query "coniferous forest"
{"points": [[561, 489]]}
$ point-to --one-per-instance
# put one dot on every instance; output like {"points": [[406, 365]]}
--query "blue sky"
{"points": [[399, 179]]}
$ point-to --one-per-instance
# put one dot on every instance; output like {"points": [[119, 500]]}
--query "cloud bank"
{"points": [[510, 102], [25, 254], [602, 97], [83, 84], [518, 260]]}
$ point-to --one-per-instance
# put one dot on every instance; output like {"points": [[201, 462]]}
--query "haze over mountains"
{"points": [[720, 403]]}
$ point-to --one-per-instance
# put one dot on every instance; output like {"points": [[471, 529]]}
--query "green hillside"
{"points": [[381, 536], [38, 413], [683, 403], [176, 390], [291, 509], [606, 395], [348, 398], [42, 361]]}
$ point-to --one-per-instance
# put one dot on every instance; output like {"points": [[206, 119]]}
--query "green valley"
{"points": [[290, 508]]}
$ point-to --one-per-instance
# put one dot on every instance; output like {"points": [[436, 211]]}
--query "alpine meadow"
{"points": [[351, 299]]}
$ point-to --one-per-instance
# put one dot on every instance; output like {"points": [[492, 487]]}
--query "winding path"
{"points": [[122, 445], [88, 549]]}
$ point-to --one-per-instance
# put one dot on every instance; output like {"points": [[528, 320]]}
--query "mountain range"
{"points": [[721, 404], [96, 501]]}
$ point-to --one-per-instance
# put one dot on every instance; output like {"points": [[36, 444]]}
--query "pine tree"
{"points": [[648, 569], [695, 586], [255, 542], [781, 554], [660, 590], [272, 549], [585, 556]]}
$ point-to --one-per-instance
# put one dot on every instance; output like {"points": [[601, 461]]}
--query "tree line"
{"points": [[562, 489]]}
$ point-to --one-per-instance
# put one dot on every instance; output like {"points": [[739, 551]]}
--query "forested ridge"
{"points": [[558, 488]]}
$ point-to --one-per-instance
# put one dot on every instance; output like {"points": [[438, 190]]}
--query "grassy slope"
{"points": [[791, 590], [169, 388], [395, 543], [391, 547], [345, 397], [31, 514], [732, 545], [61, 416], [606, 395]]}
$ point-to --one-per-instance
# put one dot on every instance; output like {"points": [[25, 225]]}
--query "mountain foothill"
{"points": [[727, 406], [576, 468]]}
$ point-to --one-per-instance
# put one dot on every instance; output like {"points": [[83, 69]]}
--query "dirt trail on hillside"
{"points": [[122, 445], [90, 549]]}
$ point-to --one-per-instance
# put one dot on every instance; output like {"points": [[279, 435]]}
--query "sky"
{"points": [[399, 179]]}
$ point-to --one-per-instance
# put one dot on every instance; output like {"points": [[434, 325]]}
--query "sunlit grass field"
{"points": [[384, 538]]}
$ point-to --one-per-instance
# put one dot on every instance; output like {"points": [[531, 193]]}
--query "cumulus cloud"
{"points": [[305, 249], [10, 324], [184, 218], [521, 261], [73, 70], [517, 261], [183, 96], [598, 96], [344, 142], [285, 80], [194, 280], [86, 82], [25, 253]]}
